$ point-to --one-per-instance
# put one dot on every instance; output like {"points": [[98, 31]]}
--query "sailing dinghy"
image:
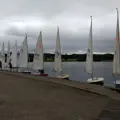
{"points": [[57, 60], [15, 57], [23, 60], [8, 54], [38, 60], [2, 56], [6, 66], [116, 59], [89, 61]]}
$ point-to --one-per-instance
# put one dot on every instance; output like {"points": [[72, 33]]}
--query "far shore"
{"points": [[74, 61]]}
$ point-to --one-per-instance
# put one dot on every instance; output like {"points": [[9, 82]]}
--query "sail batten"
{"points": [[116, 59], [38, 62], [89, 57], [57, 59]]}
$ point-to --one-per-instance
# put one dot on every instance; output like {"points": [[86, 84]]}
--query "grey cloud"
{"points": [[103, 42], [71, 15]]}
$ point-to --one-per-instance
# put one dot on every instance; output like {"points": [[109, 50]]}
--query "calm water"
{"points": [[76, 70]]}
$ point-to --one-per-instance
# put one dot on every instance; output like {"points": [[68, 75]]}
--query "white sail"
{"points": [[8, 53], [57, 60], [89, 58], [3, 49], [38, 62], [23, 60], [14, 57], [116, 60], [2, 55]]}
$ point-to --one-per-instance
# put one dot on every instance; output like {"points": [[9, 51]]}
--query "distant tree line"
{"points": [[74, 57]]}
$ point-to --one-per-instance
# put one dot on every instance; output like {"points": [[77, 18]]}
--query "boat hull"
{"points": [[44, 75], [67, 78], [63, 77], [26, 72], [39, 74], [117, 84], [97, 81]]}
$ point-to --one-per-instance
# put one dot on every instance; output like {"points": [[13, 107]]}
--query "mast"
{"points": [[26, 42], [41, 52], [116, 60], [91, 38]]}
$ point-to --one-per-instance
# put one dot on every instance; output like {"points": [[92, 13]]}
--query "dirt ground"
{"points": [[26, 99]]}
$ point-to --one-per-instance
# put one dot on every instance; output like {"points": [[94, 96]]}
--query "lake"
{"points": [[76, 70]]}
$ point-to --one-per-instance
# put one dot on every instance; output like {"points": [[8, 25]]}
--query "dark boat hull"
{"points": [[26, 72], [67, 78], [44, 75], [97, 83]]}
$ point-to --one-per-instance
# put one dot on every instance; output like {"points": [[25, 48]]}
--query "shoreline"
{"points": [[95, 89], [79, 61]]}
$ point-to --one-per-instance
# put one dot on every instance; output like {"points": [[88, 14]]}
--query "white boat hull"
{"points": [[64, 76], [97, 81], [24, 71], [38, 74]]}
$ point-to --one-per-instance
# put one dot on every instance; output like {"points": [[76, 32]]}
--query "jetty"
{"points": [[28, 97]]}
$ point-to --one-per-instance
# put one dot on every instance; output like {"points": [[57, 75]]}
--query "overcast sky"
{"points": [[72, 16]]}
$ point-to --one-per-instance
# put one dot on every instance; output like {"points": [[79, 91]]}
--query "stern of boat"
{"points": [[96, 81], [65, 76], [117, 84], [46, 75]]}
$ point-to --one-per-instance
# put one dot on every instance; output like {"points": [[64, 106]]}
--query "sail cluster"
{"points": [[19, 58]]}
